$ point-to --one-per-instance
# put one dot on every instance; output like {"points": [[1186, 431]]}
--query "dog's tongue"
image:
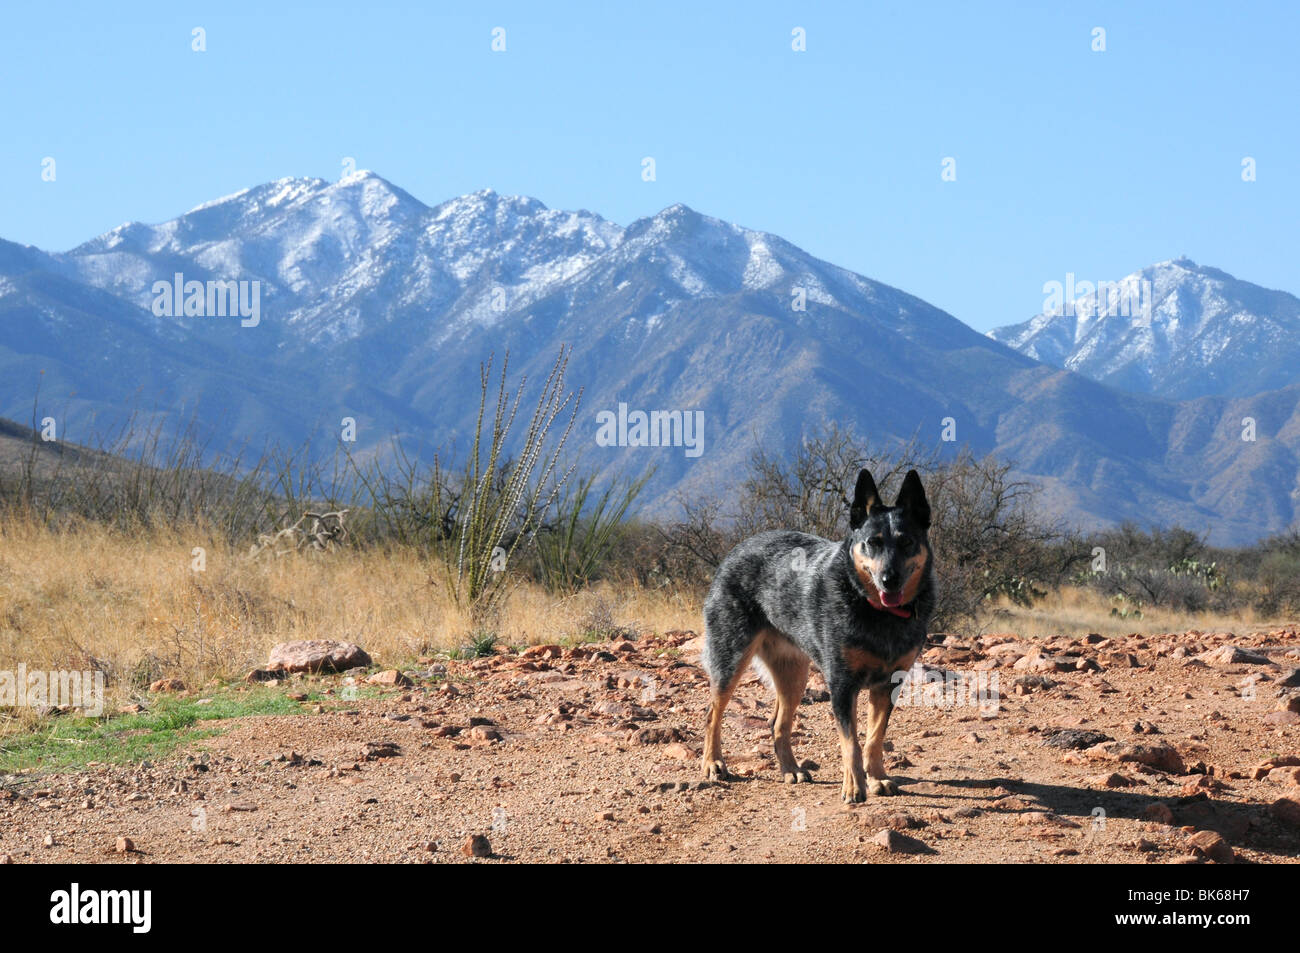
{"points": [[891, 600]]}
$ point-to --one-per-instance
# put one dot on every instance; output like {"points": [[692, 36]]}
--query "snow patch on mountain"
{"points": [[1176, 329]]}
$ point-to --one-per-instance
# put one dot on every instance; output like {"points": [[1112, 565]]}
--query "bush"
{"points": [[987, 540]]}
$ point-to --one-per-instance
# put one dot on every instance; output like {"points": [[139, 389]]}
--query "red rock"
{"points": [[1233, 655], [317, 655], [167, 685], [1287, 808], [542, 651], [124, 845], [1159, 755], [893, 842], [1211, 845], [1159, 812], [896, 820], [1112, 780], [1282, 718], [266, 675], [391, 678], [680, 751], [476, 846]]}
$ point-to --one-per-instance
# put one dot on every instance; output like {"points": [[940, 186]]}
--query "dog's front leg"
{"points": [[880, 704], [844, 705]]}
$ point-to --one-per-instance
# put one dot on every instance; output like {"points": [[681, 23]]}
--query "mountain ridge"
{"points": [[379, 307]]}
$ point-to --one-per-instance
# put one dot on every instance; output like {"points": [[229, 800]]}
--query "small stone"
{"points": [[1112, 780], [1159, 812], [391, 678], [893, 842], [1212, 845], [1073, 738], [167, 685], [373, 750], [124, 845], [1287, 808], [476, 846]]}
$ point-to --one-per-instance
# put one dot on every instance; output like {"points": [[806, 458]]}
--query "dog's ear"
{"points": [[865, 499], [911, 498]]}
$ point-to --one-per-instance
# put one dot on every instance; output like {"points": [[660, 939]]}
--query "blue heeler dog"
{"points": [[858, 608]]}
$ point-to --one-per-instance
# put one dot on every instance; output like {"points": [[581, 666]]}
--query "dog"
{"points": [[858, 608]]}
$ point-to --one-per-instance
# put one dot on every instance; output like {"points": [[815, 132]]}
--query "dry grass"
{"points": [[88, 596], [1074, 610], [130, 603]]}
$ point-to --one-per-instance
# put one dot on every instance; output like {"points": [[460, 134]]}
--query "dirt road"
{"points": [[588, 754]]}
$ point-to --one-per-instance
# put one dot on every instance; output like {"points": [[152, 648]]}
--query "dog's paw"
{"points": [[716, 771], [797, 777], [882, 787]]}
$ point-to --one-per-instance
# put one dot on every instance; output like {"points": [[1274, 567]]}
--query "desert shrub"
{"points": [[1167, 568], [572, 546], [988, 540], [1277, 575]]}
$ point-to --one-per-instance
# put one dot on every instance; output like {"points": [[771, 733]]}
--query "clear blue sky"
{"points": [[1066, 159]]}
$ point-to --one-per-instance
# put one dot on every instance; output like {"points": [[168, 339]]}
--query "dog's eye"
{"points": [[904, 542], [875, 542]]}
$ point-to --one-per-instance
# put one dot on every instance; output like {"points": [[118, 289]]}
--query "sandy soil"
{"points": [[590, 755]]}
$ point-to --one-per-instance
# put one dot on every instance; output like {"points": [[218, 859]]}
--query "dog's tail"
{"points": [[763, 672]]}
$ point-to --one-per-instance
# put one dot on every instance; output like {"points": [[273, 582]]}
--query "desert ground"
{"points": [[1174, 748]]}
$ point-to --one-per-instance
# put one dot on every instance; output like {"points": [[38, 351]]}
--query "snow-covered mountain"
{"points": [[377, 307], [1175, 329], [337, 261]]}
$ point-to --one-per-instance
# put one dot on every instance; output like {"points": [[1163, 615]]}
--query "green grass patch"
{"points": [[68, 743]]}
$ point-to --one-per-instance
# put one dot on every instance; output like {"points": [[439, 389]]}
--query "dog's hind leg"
{"points": [[789, 669], [728, 655]]}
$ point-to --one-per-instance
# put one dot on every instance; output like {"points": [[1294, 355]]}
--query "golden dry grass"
{"points": [[1074, 610], [130, 602], [133, 602]]}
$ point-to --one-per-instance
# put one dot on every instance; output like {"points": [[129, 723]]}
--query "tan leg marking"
{"points": [[789, 668], [855, 782], [879, 707], [713, 766]]}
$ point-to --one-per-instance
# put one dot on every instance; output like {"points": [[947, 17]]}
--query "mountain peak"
{"points": [[489, 202], [1177, 329]]}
